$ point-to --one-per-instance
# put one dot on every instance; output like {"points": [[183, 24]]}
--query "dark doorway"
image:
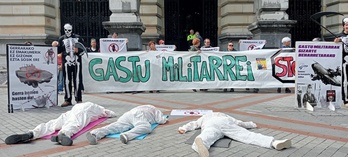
{"points": [[86, 17], [305, 29], [183, 15]]}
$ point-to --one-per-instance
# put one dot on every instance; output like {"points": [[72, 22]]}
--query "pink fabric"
{"points": [[88, 127], [59, 62]]}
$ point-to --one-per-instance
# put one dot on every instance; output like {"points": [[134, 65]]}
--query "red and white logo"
{"points": [[251, 47], [113, 47]]}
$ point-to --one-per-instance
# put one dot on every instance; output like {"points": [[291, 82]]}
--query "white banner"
{"points": [[211, 49], [165, 47], [32, 73], [251, 44], [110, 45], [318, 70], [144, 71]]}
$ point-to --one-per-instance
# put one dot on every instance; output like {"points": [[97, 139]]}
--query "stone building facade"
{"points": [[39, 21]]}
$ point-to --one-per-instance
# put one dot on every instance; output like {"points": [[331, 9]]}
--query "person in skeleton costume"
{"points": [[68, 124], [217, 125], [343, 37], [72, 65]]}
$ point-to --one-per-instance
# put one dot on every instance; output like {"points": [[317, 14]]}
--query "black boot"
{"points": [[287, 90], [62, 139], [19, 138]]}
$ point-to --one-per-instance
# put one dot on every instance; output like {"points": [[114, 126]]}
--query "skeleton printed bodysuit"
{"points": [[72, 66], [344, 38]]}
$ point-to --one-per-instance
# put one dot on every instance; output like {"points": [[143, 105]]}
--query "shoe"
{"points": [[62, 139], [232, 90], [256, 90], [281, 144], [202, 150], [287, 90], [279, 90], [225, 90], [19, 138], [157, 91], [150, 91], [78, 102], [65, 104], [194, 90], [91, 138], [346, 105], [124, 138]]}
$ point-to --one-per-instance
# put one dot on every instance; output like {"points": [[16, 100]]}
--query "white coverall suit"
{"points": [[217, 125], [138, 120], [73, 121]]}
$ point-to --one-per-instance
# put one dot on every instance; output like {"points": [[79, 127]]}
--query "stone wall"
{"points": [[28, 20], [152, 15], [234, 18]]}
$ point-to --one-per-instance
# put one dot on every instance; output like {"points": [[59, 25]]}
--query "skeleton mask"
{"points": [[68, 29]]}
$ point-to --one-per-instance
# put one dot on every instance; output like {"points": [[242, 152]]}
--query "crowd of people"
{"points": [[69, 60]]}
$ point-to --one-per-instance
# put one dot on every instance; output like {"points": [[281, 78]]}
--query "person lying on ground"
{"points": [[68, 124]]}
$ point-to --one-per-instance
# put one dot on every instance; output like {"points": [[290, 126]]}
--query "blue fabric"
{"points": [[117, 135], [60, 81]]}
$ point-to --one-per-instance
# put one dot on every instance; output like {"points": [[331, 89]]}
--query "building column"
{"points": [[152, 15], [34, 21], [234, 18], [272, 22]]}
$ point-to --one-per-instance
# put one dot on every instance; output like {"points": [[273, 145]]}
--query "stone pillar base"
{"points": [[272, 31], [130, 30], [235, 37]]}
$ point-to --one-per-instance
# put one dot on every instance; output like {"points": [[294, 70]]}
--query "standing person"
{"points": [[60, 69], [190, 37], [152, 47], [195, 47], [206, 43], [286, 43], [131, 124], [200, 38], [230, 48], [343, 37], [161, 42], [115, 35], [217, 125], [72, 65], [94, 46], [28, 43], [68, 124]]}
